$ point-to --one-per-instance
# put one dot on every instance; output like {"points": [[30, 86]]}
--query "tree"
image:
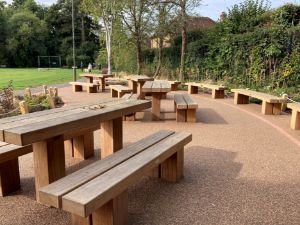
{"points": [[3, 23], [137, 15], [107, 11], [163, 29], [26, 37]]}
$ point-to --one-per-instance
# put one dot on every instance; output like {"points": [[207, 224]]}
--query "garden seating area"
{"points": [[115, 163]]}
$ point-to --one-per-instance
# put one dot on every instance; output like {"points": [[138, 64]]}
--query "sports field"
{"points": [[23, 78]]}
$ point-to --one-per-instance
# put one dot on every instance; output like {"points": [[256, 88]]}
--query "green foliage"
{"points": [[254, 47]]}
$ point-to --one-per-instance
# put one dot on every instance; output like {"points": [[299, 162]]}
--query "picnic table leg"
{"points": [[111, 136], [49, 161], [115, 212], [9, 177], [133, 85], [139, 90], [156, 106], [102, 84], [84, 146], [295, 120], [90, 79]]}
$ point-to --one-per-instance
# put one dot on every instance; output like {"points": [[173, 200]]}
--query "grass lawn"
{"points": [[23, 78]]}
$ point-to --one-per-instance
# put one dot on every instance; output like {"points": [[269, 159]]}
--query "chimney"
{"points": [[223, 16]]}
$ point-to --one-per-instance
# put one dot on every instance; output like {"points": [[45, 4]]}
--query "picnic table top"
{"points": [[34, 127], [259, 95], [139, 78], [156, 86], [96, 75]]}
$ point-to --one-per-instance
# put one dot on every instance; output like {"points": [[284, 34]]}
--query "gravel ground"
{"points": [[241, 168]]}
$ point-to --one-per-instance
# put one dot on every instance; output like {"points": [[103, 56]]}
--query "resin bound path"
{"points": [[241, 168]]}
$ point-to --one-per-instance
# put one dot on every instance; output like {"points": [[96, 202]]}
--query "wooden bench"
{"points": [[90, 87], [9, 166], [130, 117], [217, 91], [98, 192], [174, 84], [117, 91], [185, 108], [295, 120], [270, 104]]}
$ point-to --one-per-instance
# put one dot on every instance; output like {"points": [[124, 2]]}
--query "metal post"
{"points": [[73, 36]]}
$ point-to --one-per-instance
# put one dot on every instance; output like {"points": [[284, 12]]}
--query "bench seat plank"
{"points": [[52, 194], [262, 96], [10, 151], [191, 104], [180, 102], [86, 199]]}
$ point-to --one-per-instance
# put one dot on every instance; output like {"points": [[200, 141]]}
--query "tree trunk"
{"points": [[108, 46], [82, 30], [160, 46], [183, 42], [138, 56]]}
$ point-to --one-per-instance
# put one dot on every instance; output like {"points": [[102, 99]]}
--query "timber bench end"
{"points": [[117, 91], [90, 87], [185, 108]]}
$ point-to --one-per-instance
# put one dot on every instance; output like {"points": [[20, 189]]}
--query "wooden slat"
{"points": [[92, 195], [165, 86], [140, 78], [212, 86], [52, 194], [180, 102], [294, 106], [147, 87], [191, 104], [156, 87], [3, 143], [47, 115], [83, 84], [120, 88], [10, 151], [97, 75], [262, 96], [31, 133]]}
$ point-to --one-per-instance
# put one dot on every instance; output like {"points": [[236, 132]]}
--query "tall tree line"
{"points": [[29, 30]]}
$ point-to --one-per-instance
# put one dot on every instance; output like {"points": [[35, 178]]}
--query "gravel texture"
{"points": [[242, 168]]}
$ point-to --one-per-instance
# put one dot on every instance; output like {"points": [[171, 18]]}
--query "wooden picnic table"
{"points": [[158, 89], [136, 82], [45, 131], [100, 77]]}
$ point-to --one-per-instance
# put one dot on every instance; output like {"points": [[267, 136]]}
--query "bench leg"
{"points": [[102, 84], [295, 120], [114, 93], [77, 88], [192, 89], [172, 168], [191, 115], [9, 177], [115, 212], [78, 220], [174, 87], [277, 108], [92, 89], [181, 115], [267, 108], [155, 172], [130, 117], [84, 146], [121, 94], [49, 162], [241, 99], [217, 94], [111, 135]]}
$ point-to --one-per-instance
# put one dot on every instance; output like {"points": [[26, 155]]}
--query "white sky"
{"points": [[209, 8]]}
